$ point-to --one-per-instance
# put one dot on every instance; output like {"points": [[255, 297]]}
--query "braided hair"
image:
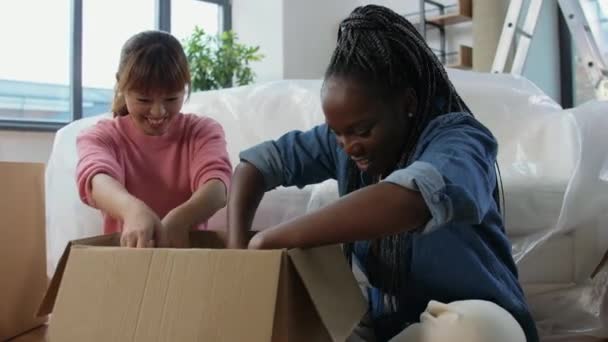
{"points": [[385, 52]]}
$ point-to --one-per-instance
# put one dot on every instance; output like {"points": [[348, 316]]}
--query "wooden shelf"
{"points": [[465, 13], [465, 58], [448, 19]]}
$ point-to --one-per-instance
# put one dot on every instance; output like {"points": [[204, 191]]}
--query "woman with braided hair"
{"points": [[419, 210]]}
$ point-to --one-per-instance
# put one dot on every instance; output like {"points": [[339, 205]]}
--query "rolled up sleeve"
{"points": [[295, 159], [454, 171], [97, 153], [210, 159]]}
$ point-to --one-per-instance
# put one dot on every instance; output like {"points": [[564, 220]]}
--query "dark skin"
{"points": [[372, 132]]}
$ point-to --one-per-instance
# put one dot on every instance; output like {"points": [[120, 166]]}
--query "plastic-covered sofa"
{"points": [[553, 162]]}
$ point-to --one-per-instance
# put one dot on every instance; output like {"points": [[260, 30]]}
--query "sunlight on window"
{"points": [[35, 59], [34, 63], [35, 41], [106, 25], [185, 14], [603, 7]]}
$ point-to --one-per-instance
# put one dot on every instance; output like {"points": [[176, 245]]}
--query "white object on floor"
{"points": [[467, 320]]}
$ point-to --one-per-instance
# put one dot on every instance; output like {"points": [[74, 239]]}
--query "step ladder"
{"points": [[582, 38]]}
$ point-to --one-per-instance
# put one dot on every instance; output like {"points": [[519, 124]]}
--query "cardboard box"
{"points": [[101, 292], [34, 335], [22, 247]]}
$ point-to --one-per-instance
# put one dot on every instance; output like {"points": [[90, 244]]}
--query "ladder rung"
{"points": [[522, 32]]}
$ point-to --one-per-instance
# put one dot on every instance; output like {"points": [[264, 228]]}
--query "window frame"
{"points": [[162, 20]]}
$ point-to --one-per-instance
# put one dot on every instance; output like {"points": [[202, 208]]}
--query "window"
{"points": [[186, 14], [100, 54], [38, 87], [34, 67]]}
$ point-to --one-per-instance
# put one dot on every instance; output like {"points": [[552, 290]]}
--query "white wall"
{"points": [[299, 38], [489, 17], [260, 23], [310, 31], [25, 146]]}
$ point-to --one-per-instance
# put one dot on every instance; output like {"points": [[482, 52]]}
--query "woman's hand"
{"points": [[257, 241], [174, 231], [177, 224], [273, 238], [139, 226]]}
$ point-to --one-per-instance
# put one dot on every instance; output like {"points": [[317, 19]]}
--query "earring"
{"points": [[410, 115]]}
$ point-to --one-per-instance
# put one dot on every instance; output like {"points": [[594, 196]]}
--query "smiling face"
{"points": [[152, 80], [371, 131], [153, 112]]}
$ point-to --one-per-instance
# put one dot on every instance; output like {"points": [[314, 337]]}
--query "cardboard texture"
{"points": [[34, 335], [603, 262], [22, 247], [102, 292]]}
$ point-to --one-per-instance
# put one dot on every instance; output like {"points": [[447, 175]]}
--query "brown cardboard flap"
{"points": [[51, 293], [198, 239], [23, 279], [280, 331], [208, 239], [213, 238], [35, 335], [296, 319], [599, 266], [332, 288], [166, 295], [305, 324]]}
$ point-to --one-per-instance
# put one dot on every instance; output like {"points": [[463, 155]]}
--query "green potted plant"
{"points": [[219, 61]]}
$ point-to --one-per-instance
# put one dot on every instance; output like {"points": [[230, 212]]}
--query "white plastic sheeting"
{"points": [[554, 167], [582, 307]]}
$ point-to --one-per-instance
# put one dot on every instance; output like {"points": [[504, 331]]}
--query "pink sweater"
{"points": [[162, 171]]}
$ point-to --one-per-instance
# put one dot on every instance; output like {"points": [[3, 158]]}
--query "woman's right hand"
{"points": [[246, 193], [139, 226]]}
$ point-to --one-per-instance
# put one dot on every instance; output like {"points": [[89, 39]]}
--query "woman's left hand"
{"points": [[257, 241], [272, 238], [173, 233]]}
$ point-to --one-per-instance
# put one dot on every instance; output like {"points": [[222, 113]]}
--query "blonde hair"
{"points": [[150, 61]]}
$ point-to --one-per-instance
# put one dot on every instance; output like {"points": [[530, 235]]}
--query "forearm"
{"points": [[245, 196], [204, 202], [111, 197], [366, 214]]}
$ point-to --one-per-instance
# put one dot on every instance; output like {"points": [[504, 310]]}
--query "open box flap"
{"points": [[332, 288], [49, 298]]}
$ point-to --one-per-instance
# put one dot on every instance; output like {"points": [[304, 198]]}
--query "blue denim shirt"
{"points": [[462, 253]]}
